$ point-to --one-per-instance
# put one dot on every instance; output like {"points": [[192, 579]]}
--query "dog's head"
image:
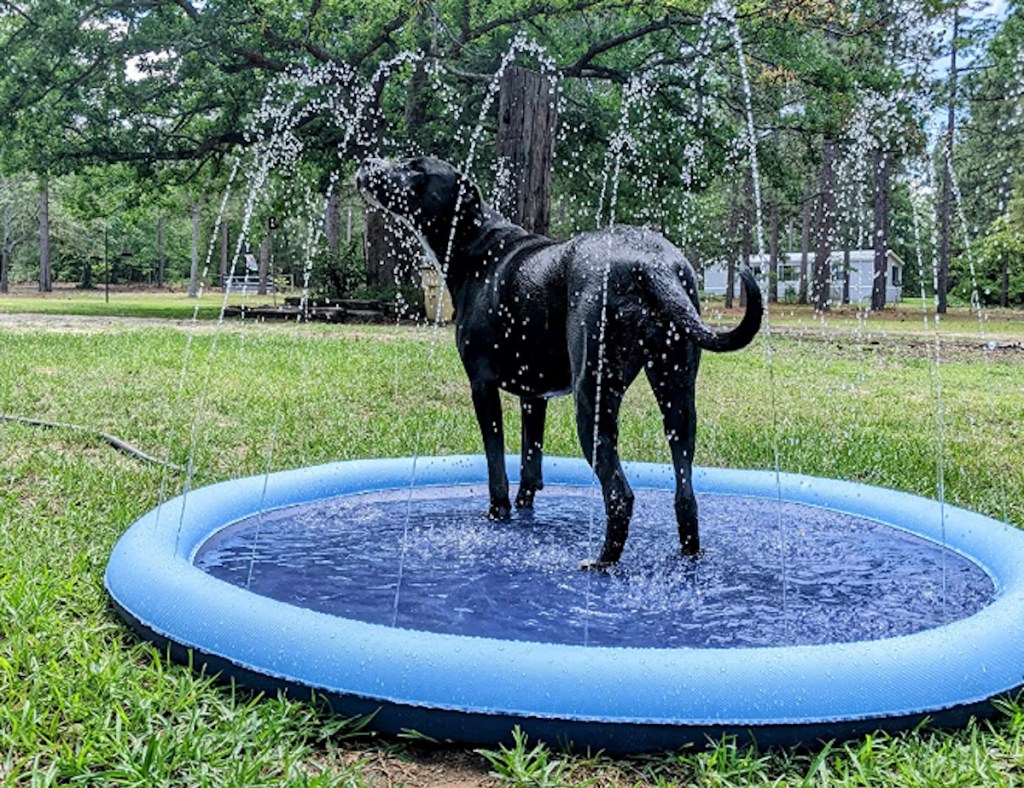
{"points": [[429, 194]]}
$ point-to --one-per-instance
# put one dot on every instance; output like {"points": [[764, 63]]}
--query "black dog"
{"points": [[541, 319]]}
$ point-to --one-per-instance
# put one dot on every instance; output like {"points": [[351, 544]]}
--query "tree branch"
{"points": [[393, 25], [601, 47], [19, 12], [538, 9], [188, 8], [255, 60], [112, 154]]}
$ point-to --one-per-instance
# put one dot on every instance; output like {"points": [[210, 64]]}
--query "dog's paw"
{"points": [[690, 548], [527, 491], [596, 565], [689, 537], [502, 510], [524, 498]]}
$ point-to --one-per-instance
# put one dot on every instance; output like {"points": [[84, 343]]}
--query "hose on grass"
{"points": [[113, 440]]}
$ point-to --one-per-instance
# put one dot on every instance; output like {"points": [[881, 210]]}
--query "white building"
{"points": [[861, 276]]}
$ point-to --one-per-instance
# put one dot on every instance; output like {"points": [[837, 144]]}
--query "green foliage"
{"points": [[341, 276], [141, 108], [987, 164], [180, 79], [19, 220], [913, 245], [102, 217], [157, 86], [998, 251]]}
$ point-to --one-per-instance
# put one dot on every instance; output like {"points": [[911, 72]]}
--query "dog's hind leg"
{"points": [[674, 387], [487, 404], [618, 497], [530, 479]]}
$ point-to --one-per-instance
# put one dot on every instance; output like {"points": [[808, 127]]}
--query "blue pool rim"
{"points": [[623, 700]]}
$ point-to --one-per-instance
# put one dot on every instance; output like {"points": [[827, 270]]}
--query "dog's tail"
{"points": [[671, 297]]}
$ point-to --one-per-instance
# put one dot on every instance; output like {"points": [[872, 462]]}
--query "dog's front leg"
{"points": [[533, 411], [487, 404]]}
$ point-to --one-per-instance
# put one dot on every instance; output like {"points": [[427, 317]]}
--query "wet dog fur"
{"points": [[584, 317]]}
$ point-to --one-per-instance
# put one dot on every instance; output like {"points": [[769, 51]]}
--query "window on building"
{"points": [[896, 276]]}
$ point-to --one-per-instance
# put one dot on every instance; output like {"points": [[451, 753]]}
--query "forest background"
{"points": [[883, 125]]}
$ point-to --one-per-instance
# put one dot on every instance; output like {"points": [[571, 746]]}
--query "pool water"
{"points": [[770, 574]]}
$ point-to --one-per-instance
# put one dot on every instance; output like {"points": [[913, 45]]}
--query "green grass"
{"points": [[122, 303], [83, 701]]}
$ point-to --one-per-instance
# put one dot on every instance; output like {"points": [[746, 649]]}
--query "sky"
{"points": [[993, 9], [997, 7]]}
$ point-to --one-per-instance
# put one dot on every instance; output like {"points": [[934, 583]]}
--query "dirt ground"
{"points": [[420, 768]]}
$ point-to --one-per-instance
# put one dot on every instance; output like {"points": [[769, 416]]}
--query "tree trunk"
{"points": [[45, 266], [1004, 256], [849, 240], [730, 278], [732, 248], [464, 19], [415, 113], [417, 91], [746, 241], [882, 185], [773, 254], [946, 205], [332, 224], [377, 247], [1004, 285], [942, 268], [225, 250], [160, 261], [265, 247], [5, 251], [526, 135], [193, 275], [846, 272], [87, 283], [391, 250], [805, 250], [825, 228]]}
